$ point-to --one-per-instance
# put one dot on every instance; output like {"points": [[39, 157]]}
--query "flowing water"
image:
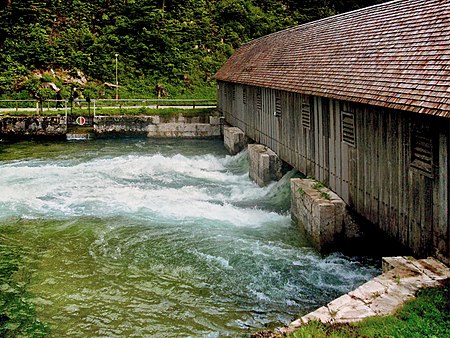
{"points": [[147, 238]]}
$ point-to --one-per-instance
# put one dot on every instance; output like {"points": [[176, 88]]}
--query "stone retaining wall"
{"points": [[152, 126], [27, 126]]}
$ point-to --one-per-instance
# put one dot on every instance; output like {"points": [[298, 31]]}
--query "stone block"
{"points": [[321, 314], [433, 268], [265, 165], [156, 119], [234, 140], [369, 291], [214, 120], [353, 311], [320, 212]]}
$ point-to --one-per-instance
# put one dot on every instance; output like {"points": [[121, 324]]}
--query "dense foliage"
{"points": [[176, 44]]}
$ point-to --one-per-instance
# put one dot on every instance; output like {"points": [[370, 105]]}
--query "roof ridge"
{"points": [[328, 18]]}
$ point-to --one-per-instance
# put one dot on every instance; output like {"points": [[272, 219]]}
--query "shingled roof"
{"points": [[395, 55]]}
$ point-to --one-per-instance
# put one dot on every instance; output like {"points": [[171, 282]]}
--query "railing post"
{"points": [[67, 119]]}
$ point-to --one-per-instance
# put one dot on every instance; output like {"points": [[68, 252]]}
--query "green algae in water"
{"points": [[17, 310], [137, 237]]}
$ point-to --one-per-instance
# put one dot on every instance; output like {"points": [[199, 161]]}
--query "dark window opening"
{"points": [[306, 112], [277, 112], [422, 149], [258, 100], [348, 129]]}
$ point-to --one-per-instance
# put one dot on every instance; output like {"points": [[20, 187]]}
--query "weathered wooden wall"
{"points": [[390, 166]]}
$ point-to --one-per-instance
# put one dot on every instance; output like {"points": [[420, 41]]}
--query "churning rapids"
{"points": [[148, 238]]}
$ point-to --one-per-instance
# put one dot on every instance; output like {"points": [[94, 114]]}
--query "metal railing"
{"points": [[47, 105]]}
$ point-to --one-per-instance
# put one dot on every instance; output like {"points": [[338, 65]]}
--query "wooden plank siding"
{"points": [[374, 175]]}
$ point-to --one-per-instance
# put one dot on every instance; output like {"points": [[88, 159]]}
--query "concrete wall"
{"points": [[152, 126], [157, 126], [40, 126]]}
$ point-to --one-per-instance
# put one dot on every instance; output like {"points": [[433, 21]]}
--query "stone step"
{"points": [[401, 279]]}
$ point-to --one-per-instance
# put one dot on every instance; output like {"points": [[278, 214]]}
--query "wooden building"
{"points": [[361, 102]]}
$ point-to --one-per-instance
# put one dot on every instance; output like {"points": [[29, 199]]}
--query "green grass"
{"points": [[426, 316]]}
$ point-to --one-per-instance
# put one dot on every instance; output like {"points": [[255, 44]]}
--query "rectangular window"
{"points": [[422, 149], [306, 112], [277, 112], [244, 95], [348, 128], [233, 92], [258, 99]]}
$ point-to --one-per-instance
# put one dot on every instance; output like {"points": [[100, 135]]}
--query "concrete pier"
{"points": [[319, 211], [265, 165], [234, 139]]}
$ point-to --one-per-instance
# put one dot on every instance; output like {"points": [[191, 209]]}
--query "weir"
{"points": [[20, 127]]}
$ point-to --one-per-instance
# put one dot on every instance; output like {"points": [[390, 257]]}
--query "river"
{"points": [[136, 237]]}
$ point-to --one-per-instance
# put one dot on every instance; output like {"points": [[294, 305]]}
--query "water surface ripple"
{"points": [[147, 238]]}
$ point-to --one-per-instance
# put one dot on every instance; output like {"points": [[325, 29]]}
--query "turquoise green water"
{"points": [[147, 238]]}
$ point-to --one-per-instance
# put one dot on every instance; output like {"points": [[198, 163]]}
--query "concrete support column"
{"points": [[265, 165], [234, 140], [319, 211]]}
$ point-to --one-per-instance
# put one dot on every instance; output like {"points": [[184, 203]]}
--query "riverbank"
{"points": [[403, 278]]}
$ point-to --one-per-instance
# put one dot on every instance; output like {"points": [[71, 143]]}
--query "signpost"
{"points": [[80, 120]]}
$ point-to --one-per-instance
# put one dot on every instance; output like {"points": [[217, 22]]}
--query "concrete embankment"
{"points": [[18, 127], [159, 126], [401, 279]]}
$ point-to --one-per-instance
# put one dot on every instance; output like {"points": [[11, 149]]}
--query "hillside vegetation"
{"points": [[166, 47]]}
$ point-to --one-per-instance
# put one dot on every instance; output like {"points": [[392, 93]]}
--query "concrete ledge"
{"points": [[234, 139], [265, 165], [157, 126], [183, 130], [382, 295]]}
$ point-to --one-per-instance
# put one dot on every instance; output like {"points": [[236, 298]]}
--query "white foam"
{"points": [[153, 186]]}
